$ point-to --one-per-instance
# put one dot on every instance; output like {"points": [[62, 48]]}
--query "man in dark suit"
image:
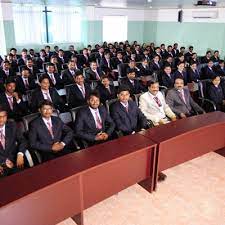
{"points": [[93, 123], [48, 134], [175, 50], [106, 91], [68, 74], [55, 79], [155, 64], [215, 58], [33, 69], [144, 68], [106, 63], [25, 82], [220, 69], [181, 73], [84, 59], [216, 94], [5, 71], [12, 102], [62, 58], [207, 57], [133, 84], [100, 55], [12, 146], [79, 92], [192, 73], [118, 60], [22, 61], [189, 54], [208, 71], [94, 72], [126, 115], [41, 59], [45, 92], [181, 102], [167, 77]]}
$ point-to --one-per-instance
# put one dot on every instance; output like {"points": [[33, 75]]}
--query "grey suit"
{"points": [[177, 104]]}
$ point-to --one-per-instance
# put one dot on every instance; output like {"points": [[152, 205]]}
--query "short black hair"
{"points": [[123, 88], [10, 80], [49, 64], [129, 70], [13, 49], [151, 82], [45, 102], [180, 62], [78, 73], [215, 76], [42, 77], [94, 93]]}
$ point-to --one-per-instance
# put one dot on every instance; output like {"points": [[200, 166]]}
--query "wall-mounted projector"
{"points": [[206, 3]]}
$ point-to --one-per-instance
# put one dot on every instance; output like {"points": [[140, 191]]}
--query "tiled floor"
{"points": [[193, 194]]}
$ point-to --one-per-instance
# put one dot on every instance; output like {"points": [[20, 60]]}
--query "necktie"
{"points": [[7, 72], [98, 121], [50, 129], [182, 96], [52, 78], [83, 91], [108, 63], [2, 139], [97, 75], [47, 96], [10, 100], [108, 88], [157, 101], [72, 72], [26, 84], [126, 107]]}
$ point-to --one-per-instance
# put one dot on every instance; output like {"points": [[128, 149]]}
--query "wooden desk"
{"points": [[49, 193], [187, 138]]}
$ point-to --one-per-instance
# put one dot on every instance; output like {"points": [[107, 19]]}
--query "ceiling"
{"points": [[120, 3]]}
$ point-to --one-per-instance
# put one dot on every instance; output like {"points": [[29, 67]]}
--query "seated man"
{"points": [[33, 69], [216, 94], [79, 92], [93, 123], [126, 115], [208, 71], [154, 107], [25, 82], [181, 73], [94, 72], [12, 146], [133, 84], [106, 91], [167, 77], [68, 74], [55, 79], [144, 68], [45, 92], [48, 134], [181, 102], [12, 102]]}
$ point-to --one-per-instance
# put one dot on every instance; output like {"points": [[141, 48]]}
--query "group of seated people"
{"points": [[24, 91]]}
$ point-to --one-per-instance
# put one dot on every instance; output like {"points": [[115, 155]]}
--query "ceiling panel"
{"points": [[119, 3]]}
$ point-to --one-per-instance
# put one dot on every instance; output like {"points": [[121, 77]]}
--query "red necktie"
{"points": [[157, 101], [2, 139], [10, 100], [26, 84], [83, 91], [126, 107], [182, 96], [98, 121], [50, 129]]}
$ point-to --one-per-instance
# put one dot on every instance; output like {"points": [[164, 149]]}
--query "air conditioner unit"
{"points": [[205, 14]]}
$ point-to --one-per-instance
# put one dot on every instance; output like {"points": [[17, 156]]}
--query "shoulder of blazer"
{"points": [[10, 125]]}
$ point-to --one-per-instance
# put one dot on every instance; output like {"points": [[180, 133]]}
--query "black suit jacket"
{"points": [[67, 77], [130, 121], [3, 78], [40, 138], [75, 97], [105, 94], [167, 81], [91, 75], [19, 110], [219, 70], [192, 75], [20, 86], [59, 82], [145, 71], [104, 65], [85, 127], [154, 67], [39, 62], [216, 95], [38, 97], [83, 61], [182, 75], [15, 142], [134, 89], [21, 62], [207, 73]]}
